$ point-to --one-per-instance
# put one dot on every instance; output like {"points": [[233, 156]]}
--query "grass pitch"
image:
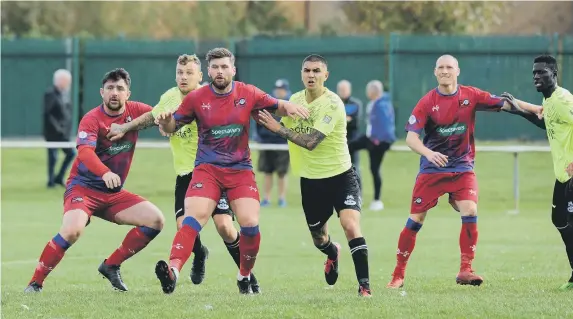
{"points": [[520, 256]]}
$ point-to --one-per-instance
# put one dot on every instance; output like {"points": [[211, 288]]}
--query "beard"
{"points": [[221, 86], [116, 107]]}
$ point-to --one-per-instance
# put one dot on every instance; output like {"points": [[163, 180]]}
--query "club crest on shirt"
{"points": [[464, 103], [205, 106], [327, 119], [240, 102], [128, 119]]}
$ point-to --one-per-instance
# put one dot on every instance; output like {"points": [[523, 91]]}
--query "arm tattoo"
{"points": [[308, 141], [144, 121]]}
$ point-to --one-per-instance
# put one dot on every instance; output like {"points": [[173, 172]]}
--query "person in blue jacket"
{"points": [[380, 134]]}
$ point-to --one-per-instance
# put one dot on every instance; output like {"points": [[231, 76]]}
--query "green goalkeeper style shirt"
{"points": [[558, 117], [184, 141]]}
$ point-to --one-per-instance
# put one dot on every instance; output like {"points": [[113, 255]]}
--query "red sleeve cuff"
{"points": [[88, 157]]}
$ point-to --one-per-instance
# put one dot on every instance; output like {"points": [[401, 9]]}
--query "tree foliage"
{"points": [[142, 19], [430, 17]]}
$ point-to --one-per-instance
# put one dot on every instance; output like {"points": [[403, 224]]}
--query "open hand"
{"points": [[268, 121], [164, 118], [295, 110], [111, 179], [438, 159]]}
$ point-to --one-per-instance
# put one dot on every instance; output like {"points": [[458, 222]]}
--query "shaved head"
{"points": [[447, 71], [447, 59]]}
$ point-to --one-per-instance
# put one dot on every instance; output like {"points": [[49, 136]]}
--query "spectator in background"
{"points": [[380, 134], [58, 124], [353, 108], [271, 161]]}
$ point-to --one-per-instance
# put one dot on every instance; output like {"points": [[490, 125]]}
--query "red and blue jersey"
{"points": [[117, 156], [448, 122], [223, 121]]}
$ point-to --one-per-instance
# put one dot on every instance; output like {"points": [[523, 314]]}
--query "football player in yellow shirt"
{"points": [[184, 143], [319, 155], [555, 115]]}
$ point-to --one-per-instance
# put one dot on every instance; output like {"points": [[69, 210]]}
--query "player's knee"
{"points": [[470, 210], [418, 218], [158, 222], [319, 236], [71, 233]]}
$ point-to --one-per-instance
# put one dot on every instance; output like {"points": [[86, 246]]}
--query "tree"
{"points": [[433, 17]]}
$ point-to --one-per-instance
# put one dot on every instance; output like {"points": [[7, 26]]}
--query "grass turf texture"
{"points": [[520, 256]]}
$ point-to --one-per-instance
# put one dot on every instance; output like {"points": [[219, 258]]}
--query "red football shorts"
{"points": [[430, 187], [209, 181], [102, 205]]}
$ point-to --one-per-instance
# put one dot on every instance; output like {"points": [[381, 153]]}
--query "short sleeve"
{"points": [[88, 131], [142, 108], [185, 113], [161, 106], [328, 116], [264, 101], [564, 107], [419, 117], [486, 101]]}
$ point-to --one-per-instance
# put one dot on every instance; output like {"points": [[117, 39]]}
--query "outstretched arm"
{"points": [[116, 131], [309, 141], [142, 122], [526, 110]]}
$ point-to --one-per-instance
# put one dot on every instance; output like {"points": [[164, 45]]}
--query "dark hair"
{"points": [[315, 58], [116, 75], [219, 53], [186, 58], [549, 60]]}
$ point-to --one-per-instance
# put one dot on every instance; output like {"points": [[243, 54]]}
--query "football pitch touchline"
{"points": [[33, 261]]}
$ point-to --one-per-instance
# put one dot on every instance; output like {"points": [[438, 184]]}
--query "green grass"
{"points": [[520, 256]]}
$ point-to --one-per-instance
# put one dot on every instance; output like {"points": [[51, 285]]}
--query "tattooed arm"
{"points": [[116, 131], [308, 141], [142, 122]]}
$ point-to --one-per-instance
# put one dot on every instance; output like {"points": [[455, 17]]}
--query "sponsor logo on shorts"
{"points": [[77, 200], [418, 200], [454, 129], [570, 207], [232, 130], [197, 185], [223, 205], [473, 192], [350, 201], [254, 189], [82, 134], [121, 147]]}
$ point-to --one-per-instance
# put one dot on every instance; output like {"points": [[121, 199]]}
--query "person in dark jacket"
{"points": [[380, 134], [58, 124], [354, 110], [271, 161]]}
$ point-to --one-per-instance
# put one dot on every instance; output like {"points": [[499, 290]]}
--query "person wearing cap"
{"points": [[274, 161]]}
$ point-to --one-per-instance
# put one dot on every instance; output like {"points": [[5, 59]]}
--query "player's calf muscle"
{"points": [[225, 227], [319, 236]]}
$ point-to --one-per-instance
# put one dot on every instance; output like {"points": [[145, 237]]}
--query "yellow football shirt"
{"points": [[331, 156], [184, 142], [558, 117]]}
